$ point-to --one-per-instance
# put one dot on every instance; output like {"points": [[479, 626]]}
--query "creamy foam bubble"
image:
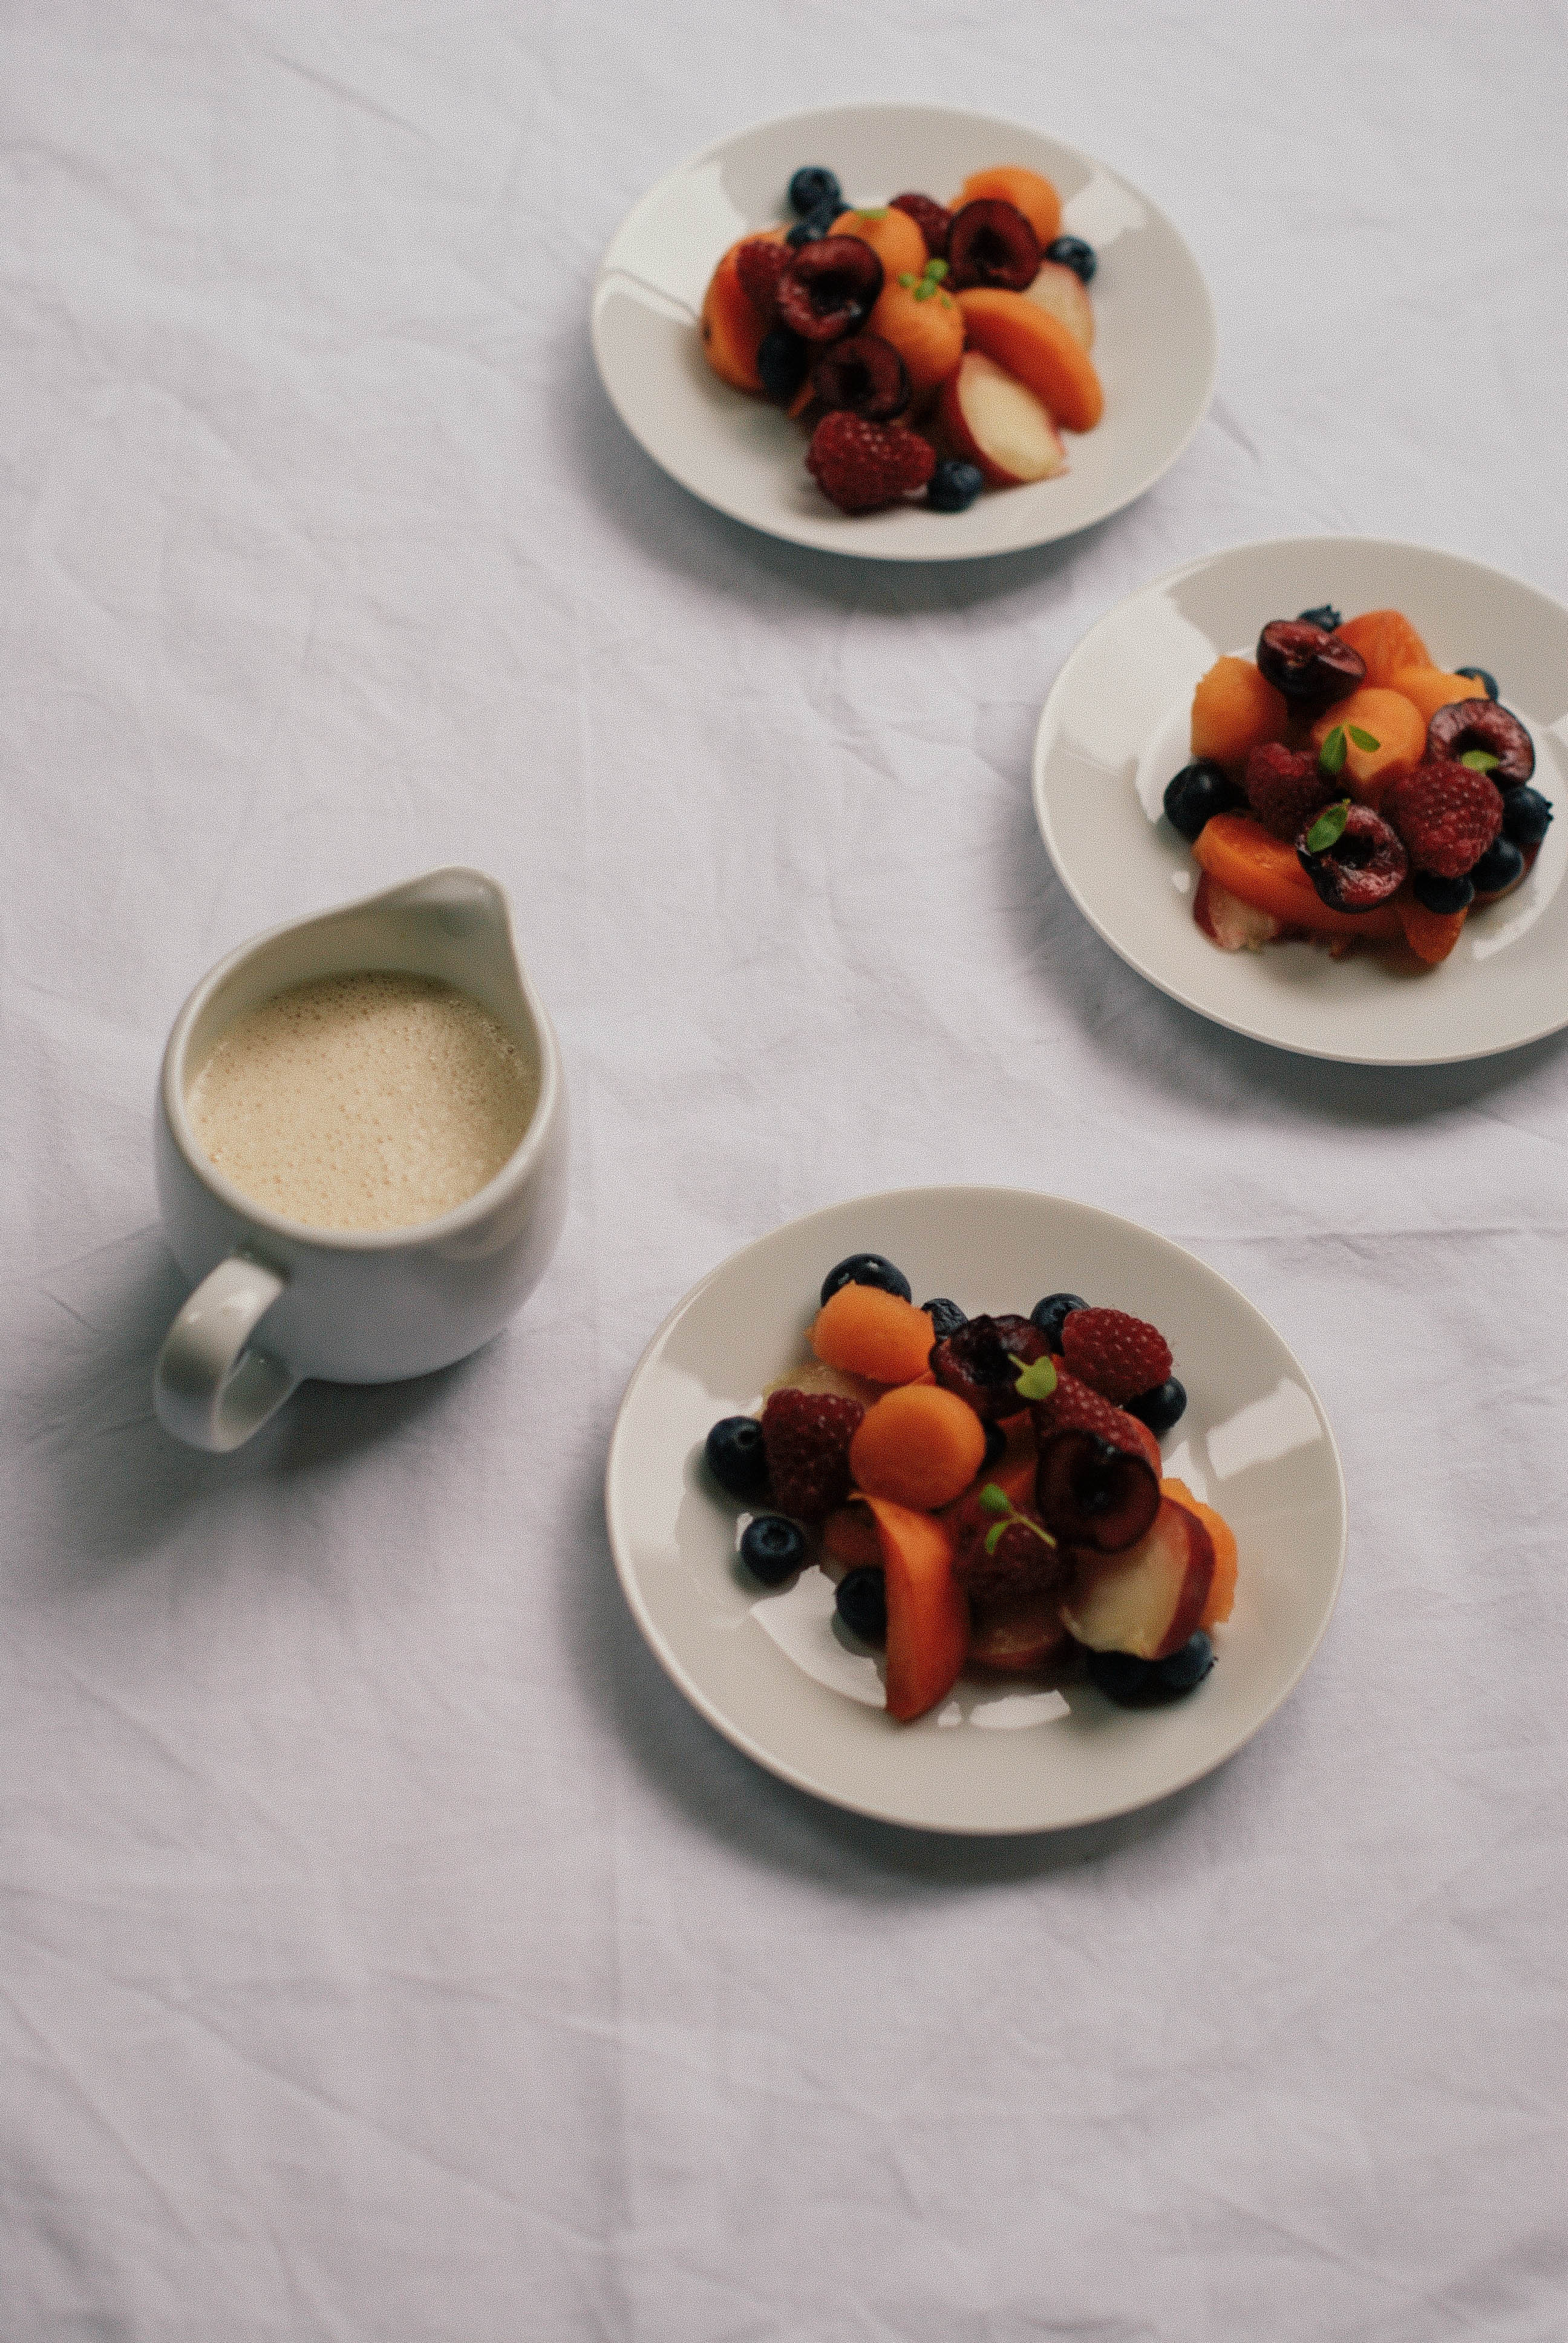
{"points": [[372, 1100]]}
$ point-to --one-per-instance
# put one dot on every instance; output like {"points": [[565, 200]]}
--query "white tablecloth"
{"points": [[386, 1949]]}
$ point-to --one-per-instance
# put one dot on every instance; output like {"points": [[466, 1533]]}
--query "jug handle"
{"points": [[209, 1388]]}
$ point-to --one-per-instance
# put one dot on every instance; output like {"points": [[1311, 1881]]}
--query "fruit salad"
{"points": [[1345, 789], [985, 1492], [926, 347]]}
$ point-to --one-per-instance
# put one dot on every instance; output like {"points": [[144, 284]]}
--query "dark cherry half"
{"points": [[979, 1362], [829, 288], [1092, 1494], [1484, 724], [865, 375], [1365, 866], [1304, 663], [933, 219], [991, 243]]}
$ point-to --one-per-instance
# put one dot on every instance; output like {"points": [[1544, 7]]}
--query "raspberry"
{"points": [[1074, 1407], [861, 467], [806, 1436], [1116, 1355], [1285, 789], [1020, 1564], [1447, 814], [759, 265]]}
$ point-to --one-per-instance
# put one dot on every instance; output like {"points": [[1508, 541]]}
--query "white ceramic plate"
{"points": [[1155, 344], [1116, 727], [767, 1669]]}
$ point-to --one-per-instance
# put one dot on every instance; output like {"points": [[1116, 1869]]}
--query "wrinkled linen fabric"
{"points": [[387, 1951]]}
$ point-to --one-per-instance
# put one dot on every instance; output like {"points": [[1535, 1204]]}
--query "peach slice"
{"points": [[1062, 291], [1221, 1595], [1148, 1599], [928, 1615], [987, 417], [1035, 345]]}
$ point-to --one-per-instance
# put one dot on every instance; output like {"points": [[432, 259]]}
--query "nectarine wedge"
{"points": [[927, 1614], [1037, 348]]}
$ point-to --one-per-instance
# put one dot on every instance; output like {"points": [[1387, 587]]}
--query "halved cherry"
{"points": [[1305, 663], [981, 1361], [991, 242], [1090, 1495], [1484, 724], [829, 288], [865, 376]]}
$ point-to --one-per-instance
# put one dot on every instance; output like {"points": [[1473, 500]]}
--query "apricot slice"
{"points": [[1221, 1593], [927, 334], [1430, 935], [1429, 688], [731, 329], [1037, 348], [1234, 711], [892, 236], [919, 1446], [1386, 641], [874, 1334], [1394, 722], [1027, 191], [1250, 862], [928, 1612]]}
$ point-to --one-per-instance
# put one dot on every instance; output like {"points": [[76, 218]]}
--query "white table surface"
{"points": [[386, 1950]]}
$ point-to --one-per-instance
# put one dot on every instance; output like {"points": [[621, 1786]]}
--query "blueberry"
{"points": [[995, 1447], [736, 1457], [1482, 676], [866, 1269], [814, 189], [862, 1604], [813, 228], [1443, 895], [1121, 1677], [1498, 868], [1074, 254], [1526, 816], [1187, 1667], [1160, 1408], [1049, 1314], [954, 486], [1133, 1682], [946, 1317], [1324, 616], [1195, 794], [782, 358], [772, 1548]]}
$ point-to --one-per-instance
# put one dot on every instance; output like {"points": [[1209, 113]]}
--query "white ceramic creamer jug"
{"points": [[277, 1300]]}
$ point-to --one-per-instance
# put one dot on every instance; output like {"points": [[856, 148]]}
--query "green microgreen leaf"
{"points": [[1362, 739], [994, 1500], [1329, 827], [994, 1535], [924, 290], [1035, 1382], [1480, 761], [937, 269], [906, 279], [872, 211], [1332, 755]]}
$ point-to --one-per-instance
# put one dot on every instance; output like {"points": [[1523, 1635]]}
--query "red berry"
{"points": [[861, 466], [1284, 788], [932, 219], [1447, 814], [759, 265], [1116, 1355], [805, 1437], [1074, 1407]]}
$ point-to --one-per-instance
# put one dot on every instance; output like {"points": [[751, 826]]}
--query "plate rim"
{"points": [[782, 532], [1328, 1054], [737, 1736]]}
